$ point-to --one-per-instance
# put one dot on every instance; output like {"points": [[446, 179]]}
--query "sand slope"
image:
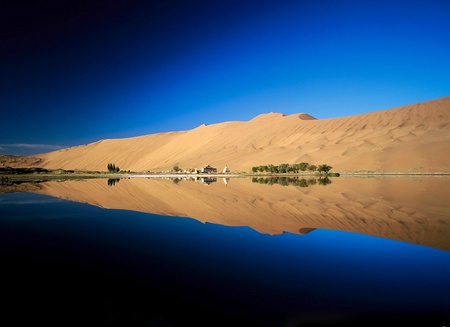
{"points": [[412, 138]]}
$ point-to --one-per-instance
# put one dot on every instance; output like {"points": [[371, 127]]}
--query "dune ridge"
{"points": [[411, 138]]}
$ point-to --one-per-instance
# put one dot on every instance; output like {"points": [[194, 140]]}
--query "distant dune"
{"points": [[411, 138]]}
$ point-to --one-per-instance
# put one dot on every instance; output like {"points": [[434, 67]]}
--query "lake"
{"points": [[351, 251]]}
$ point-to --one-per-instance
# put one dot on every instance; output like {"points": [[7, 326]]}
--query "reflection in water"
{"points": [[5, 181], [413, 210], [206, 180], [295, 181], [113, 181], [124, 268]]}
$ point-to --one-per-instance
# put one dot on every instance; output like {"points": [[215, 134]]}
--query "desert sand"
{"points": [[414, 210], [409, 139]]}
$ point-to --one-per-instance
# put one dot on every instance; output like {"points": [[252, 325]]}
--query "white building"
{"points": [[225, 170]]}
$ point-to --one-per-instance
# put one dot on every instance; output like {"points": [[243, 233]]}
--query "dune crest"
{"points": [[413, 139], [306, 117]]}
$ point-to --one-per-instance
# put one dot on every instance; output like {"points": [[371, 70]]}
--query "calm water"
{"points": [[77, 252]]}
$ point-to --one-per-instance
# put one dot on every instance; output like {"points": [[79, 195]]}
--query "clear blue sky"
{"points": [[74, 72]]}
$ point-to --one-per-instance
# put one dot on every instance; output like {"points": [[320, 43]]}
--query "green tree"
{"points": [[324, 168], [283, 181], [303, 183], [112, 168], [312, 181], [324, 181], [272, 169], [312, 167], [303, 166], [283, 168], [295, 168]]}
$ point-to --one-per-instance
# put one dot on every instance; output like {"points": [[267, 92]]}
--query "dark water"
{"points": [[67, 263]]}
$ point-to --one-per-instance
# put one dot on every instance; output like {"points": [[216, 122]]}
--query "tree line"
{"points": [[292, 168], [112, 168]]}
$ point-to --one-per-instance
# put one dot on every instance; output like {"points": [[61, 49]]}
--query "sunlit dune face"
{"points": [[412, 138]]}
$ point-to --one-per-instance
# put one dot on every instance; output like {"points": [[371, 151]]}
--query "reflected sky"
{"points": [[25, 198], [237, 273], [414, 210]]}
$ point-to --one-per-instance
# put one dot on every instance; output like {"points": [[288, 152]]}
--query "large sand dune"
{"points": [[412, 138]]}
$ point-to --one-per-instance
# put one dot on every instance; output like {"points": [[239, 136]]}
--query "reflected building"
{"points": [[206, 180]]}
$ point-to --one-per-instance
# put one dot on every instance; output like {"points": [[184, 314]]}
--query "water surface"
{"points": [[251, 252]]}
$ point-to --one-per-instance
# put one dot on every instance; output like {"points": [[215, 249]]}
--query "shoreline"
{"points": [[34, 177]]}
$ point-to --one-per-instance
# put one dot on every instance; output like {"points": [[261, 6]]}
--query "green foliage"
{"points": [[113, 181], [112, 168], [18, 171], [312, 181], [283, 168], [272, 169], [262, 168], [324, 181], [324, 168], [294, 181], [303, 166], [312, 167], [293, 168]]}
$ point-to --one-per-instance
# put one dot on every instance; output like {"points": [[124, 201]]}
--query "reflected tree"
{"points": [[324, 181], [113, 181], [294, 181]]}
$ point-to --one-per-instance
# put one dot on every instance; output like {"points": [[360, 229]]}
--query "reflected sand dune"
{"points": [[414, 210]]}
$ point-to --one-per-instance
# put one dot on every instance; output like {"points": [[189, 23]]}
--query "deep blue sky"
{"points": [[74, 72]]}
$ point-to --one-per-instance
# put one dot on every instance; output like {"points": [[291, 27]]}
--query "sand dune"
{"points": [[413, 210], [412, 138]]}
